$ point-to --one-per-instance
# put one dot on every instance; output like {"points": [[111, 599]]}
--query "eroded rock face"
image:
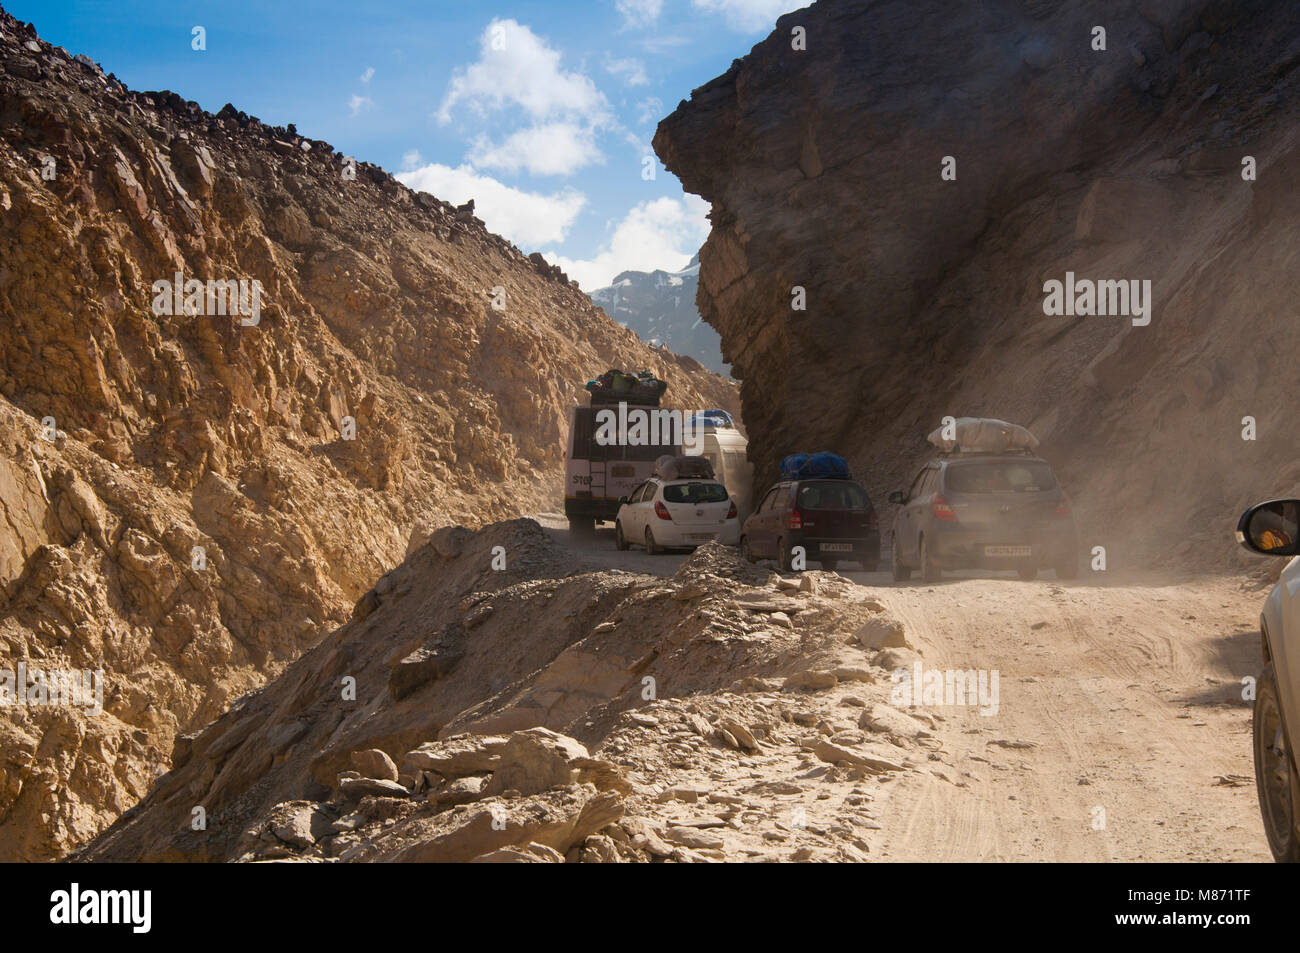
{"points": [[925, 295], [191, 515]]}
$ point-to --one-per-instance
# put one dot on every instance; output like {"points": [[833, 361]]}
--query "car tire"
{"points": [[1068, 568], [902, 573], [1275, 771], [1028, 573], [929, 571], [745, 552], [651, 547], [620, 541], [829, 564]]}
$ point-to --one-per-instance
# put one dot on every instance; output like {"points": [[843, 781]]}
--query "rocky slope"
{"points": [[189, 501], [721, 713], [660, 307], [925, 295]]}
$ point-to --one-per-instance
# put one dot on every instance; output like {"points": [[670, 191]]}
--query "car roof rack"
{"points": [[958, 452]]}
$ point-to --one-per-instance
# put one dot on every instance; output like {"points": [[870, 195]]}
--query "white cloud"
{"points": [[637, 13], [660, 233], [630, 71], [411, 160], [368, 75], [528, 219], [749, 16], [517, 67], [649, 110], [558, 148], [358, 103]]}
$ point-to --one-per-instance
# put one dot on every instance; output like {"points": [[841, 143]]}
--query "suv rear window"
{"points": [[832, 495], [1000, 477], [695, 493]]}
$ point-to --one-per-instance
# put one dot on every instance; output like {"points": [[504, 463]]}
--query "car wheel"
{"points": [[651, 547], [902, 573], [746, 553], [1028, 572], [1068, 568], [1275, 772], [620, 541], [929, 571], [829, 564]]}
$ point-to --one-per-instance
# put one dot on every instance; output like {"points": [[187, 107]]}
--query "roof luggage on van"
{"points": [[712, 420], [669, 467], [614, 386]]}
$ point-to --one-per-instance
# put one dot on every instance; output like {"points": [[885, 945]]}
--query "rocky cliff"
{"points": [[922, 169], [190, 498]]}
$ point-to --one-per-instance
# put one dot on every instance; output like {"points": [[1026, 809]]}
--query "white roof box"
{"points": [[982, 435]]}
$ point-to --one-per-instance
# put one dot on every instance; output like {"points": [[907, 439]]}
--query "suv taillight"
{"points": [[796, 520], [941, 510], [731, 513], [873, 521], [661, 511], [1062, 510]]}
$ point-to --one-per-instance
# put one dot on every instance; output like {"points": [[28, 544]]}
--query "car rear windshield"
{"points": [[832, 495], [1000, 477], [695, 493]]}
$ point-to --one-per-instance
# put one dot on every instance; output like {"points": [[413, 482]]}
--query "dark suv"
{"points": [[985, 511], [833, 521]]}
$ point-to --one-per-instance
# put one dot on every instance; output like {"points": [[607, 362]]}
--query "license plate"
{"points": [[836, 547], [705, 536], [1008, 550]]}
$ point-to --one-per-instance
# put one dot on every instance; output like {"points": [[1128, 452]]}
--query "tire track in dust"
{"points": [[1068, 688]]}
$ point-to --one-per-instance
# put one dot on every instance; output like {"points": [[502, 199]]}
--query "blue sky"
{"points": [[540, 111]]}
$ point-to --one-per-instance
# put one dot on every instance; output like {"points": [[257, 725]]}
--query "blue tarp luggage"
{"points": [[815, 466], [713, 420]]}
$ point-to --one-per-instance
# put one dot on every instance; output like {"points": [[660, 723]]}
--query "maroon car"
{"points": [[833, 520]]}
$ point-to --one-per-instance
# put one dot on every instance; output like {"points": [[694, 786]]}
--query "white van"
{"points": [[727, 449]]}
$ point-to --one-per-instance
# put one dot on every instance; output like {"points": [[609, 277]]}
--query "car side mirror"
{"points": [[1271, 528], [622, 500], [896, 497]]}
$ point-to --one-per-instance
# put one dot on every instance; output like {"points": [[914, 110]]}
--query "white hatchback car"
{"points": [[669, 514], [1273, 529]]}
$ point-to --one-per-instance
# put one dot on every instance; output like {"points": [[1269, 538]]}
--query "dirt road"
{"points": [[1121, 732]]}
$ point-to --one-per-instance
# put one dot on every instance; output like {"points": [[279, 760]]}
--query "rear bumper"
{"points": [[865, 549], [676, 535], [589, 508], [960, 548]]}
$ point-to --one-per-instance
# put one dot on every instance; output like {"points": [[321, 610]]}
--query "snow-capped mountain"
{"points": [[660, 307]]}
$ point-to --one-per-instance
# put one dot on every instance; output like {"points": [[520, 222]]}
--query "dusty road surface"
{"points": [[1120, 734]]}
